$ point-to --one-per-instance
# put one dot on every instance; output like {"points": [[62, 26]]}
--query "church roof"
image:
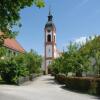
{"points": [[50, 24], [13, 44]]}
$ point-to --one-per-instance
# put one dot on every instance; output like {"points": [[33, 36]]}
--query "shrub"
{"points": [[22, 65], [61, 78], [33, 62], [76, 83], [98, 86], [21, 69], [83, 84], [8, 70]]}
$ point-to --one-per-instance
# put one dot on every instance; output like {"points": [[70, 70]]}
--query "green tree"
{"points": [[92, 50], [11, 68], [10, 13], [2, 52], [79, 62], [77, 59], [71, 61], [55, 66], [66, 63], [21, 69], [8, 70], [97, 59]]}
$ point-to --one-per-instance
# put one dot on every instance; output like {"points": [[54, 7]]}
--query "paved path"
{"points": [[43, 88]]}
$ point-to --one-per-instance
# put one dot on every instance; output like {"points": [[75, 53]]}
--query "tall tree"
{"points": [[10, 13], [92, 50]]}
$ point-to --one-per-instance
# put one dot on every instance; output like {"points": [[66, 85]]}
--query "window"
{"points": [[49, 50], [49, 38], [14, 53], [54, 38], [49, 30], [49, 62]]}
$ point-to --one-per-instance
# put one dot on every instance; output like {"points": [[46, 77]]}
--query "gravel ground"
{"points": [[42, 88]]}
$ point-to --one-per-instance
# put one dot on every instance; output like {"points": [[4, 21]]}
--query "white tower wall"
{"points": [[50, 42]]}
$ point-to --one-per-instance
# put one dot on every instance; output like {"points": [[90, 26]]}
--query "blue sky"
{"points": [[74, 21]]}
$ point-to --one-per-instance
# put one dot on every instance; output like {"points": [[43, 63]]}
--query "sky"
{"points": [[75, 20]]}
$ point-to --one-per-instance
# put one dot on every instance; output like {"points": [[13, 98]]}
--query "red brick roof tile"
{"points": [[13, 44]]}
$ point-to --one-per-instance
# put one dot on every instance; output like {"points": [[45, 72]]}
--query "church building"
{"points": [[50, 50]]}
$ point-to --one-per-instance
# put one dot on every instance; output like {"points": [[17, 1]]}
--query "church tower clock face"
{"points": [[50, 42]]}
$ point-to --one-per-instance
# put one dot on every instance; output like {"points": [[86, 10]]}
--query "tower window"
{"points": [[54, 38], [48, 30], [49, 62], [49, 50], [49, 38]]}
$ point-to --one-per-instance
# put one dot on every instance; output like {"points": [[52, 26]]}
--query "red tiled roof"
{"points": [[13, 44]]}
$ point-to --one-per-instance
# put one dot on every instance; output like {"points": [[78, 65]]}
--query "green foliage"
{"points": [[71, 61], [84, 84], [39, 3], [92, 50], [11, 68], [8, 70], [55, 66], [33, 62], [22, 70], [61, 78], [66, 63], [10, 13], [78, 59], [2, 51]]}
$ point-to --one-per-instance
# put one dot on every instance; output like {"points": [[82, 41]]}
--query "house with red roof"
{"points": [[13, 46]]}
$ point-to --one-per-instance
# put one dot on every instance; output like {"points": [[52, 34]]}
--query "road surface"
{"points": [[43, 88]]}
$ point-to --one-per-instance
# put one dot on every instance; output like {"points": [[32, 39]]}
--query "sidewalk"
{"points": [[43, 88]]}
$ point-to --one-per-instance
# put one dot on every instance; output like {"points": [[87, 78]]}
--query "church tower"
{"points": [[50, 42]]}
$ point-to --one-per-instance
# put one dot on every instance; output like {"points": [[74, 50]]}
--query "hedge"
{"points": [[22, 80], [60, 78], [83, 84], [98, 87]]}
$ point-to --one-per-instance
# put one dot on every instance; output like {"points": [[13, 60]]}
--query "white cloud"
{"points": [[81, 40]]}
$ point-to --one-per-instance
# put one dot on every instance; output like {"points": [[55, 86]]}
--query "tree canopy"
{"points": [[79, 59], [20, 65], [10, 13]]}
